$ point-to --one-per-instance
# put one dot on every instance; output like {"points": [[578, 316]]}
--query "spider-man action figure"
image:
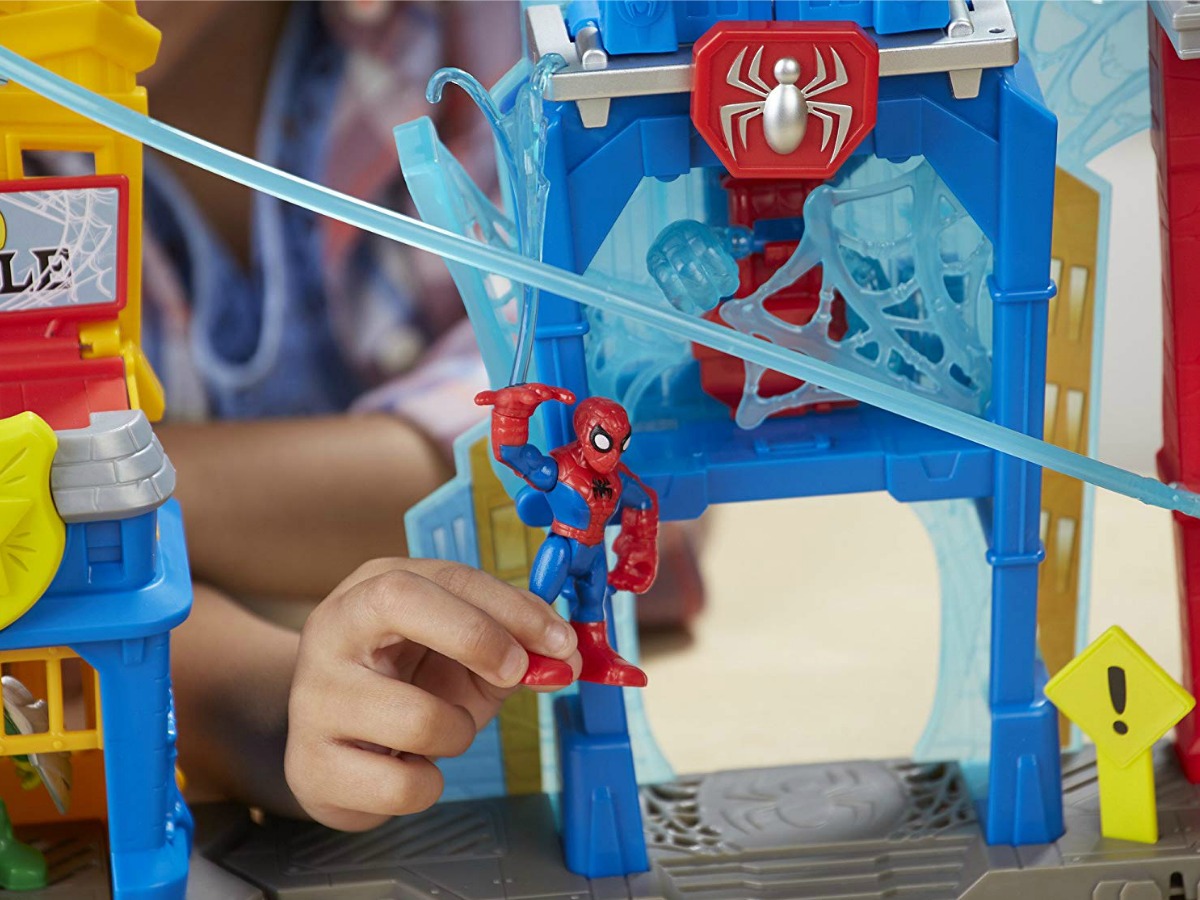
{"points": [[585, 484]]}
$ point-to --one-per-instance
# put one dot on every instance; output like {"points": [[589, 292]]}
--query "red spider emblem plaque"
{"points": [[784, 99]]}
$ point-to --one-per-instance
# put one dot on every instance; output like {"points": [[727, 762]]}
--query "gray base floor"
{"points": [[842, 830], [861, 830]]}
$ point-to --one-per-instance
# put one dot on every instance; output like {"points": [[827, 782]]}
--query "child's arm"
{"points": [[286, 507], [231, 674], [406, 656]]}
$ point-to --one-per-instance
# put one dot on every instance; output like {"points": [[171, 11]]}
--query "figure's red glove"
{"points": [[511, 408], [637, 550]]}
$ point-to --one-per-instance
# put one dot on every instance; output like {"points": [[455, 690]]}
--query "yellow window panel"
{"points": [[58, 737], [1068, 376], [506, 549]]}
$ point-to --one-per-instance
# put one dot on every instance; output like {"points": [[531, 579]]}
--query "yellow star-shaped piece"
{"points": [[32, 535], [12, 511]]}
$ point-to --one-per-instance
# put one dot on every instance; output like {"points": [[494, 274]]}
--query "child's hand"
{"points": [[403, 663]]}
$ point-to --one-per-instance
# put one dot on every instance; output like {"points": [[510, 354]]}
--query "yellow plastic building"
{"points": [[93, 571], [102, 46]]}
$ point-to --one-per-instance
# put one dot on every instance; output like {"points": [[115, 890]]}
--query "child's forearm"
{"points": [[231, 673], [287, 507]]}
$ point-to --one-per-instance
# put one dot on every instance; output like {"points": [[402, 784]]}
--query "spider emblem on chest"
{"points": [[602, 488]]}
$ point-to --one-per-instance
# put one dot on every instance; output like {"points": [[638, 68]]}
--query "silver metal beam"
{"points": [[975, 39], [1181, 21]]}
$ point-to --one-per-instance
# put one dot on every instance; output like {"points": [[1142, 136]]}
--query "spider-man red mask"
{"points": [[602, 427]]}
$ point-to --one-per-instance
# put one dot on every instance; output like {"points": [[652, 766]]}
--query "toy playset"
{"points": [[805, 248]]}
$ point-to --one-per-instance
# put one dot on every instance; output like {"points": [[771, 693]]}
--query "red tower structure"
{"points": [[1175, 131]]}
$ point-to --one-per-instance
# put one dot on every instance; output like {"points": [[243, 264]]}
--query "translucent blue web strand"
{"points": [[522, 166], [640, 306]]}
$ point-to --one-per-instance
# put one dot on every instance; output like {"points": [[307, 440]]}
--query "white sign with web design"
{"points": [[60, 246]]}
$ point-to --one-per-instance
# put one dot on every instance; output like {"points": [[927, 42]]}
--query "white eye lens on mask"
{"points": [[601, 441]]}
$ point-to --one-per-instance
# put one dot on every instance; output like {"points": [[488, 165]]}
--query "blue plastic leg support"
{"points": [[601, 821], [148, 841], [1025, 787], [1024, 804]]}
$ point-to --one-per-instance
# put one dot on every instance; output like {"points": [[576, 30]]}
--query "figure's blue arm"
{"points": [[511, 408], [634, 494], [538, 469]]}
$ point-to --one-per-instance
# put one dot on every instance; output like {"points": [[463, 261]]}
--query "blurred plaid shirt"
{"points": [[327, 317]]}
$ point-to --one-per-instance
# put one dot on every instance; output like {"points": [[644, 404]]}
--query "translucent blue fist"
{"points": [[693, 265]]}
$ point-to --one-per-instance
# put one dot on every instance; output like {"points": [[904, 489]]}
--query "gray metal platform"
{"points": [[835, 831]]}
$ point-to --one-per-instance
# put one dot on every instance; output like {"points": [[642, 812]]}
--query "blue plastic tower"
{"points": [[993, 147], [122, 586]]}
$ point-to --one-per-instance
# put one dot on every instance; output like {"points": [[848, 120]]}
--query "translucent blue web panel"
{"points": [[646, 308], [1091, 64]]}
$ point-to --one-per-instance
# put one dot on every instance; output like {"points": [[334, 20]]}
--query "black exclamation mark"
{"points": [[1117, 691]]}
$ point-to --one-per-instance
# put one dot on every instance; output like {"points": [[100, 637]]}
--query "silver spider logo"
{"points": [[785, 108]]}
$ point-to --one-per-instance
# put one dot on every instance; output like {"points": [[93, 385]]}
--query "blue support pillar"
{"points": [[148, 830], [997, 153], [1024, 802], [601, 821]]}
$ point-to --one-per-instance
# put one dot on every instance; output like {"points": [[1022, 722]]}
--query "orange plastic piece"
{"points": [[41, 671]]}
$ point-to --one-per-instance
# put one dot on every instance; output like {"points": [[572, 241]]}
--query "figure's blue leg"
{"points": [[546, 579], [550, 568], [591, 590], [601, 663]]}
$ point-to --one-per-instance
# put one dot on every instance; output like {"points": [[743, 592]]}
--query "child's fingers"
{"points": [[402, 604], [532, 621], [369, 707], [534, 624], [454, 684], [352, 789]]}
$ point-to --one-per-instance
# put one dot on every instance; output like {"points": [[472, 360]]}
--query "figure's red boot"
{"points": [[601, 663], [546, 671]]}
